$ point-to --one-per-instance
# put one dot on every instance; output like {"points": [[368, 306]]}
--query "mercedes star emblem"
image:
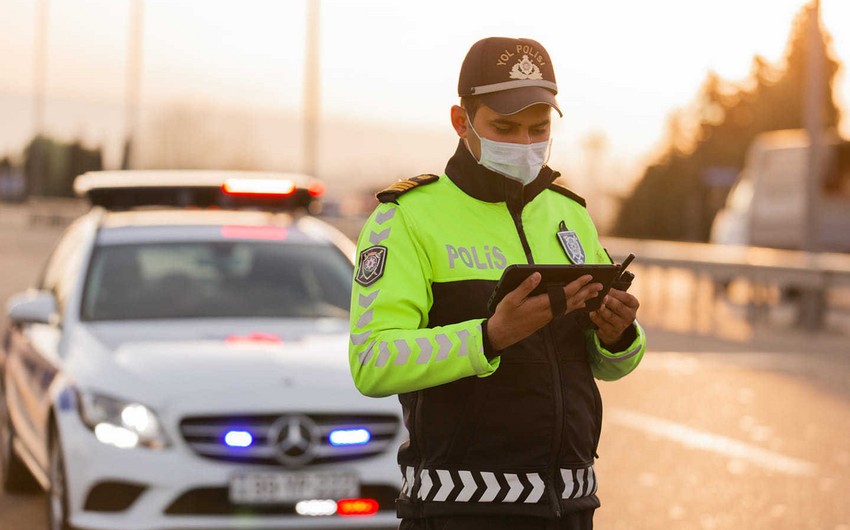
{"points": [[295, 439]]}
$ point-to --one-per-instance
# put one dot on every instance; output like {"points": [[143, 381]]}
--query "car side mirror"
{"points": [[32, 307]]}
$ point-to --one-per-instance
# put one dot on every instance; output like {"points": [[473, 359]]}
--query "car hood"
{"points": [[219, 367]]}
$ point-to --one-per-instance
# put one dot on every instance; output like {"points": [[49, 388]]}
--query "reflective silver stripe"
{"points": [[515, 487], [537, 486], [383, 355], [360, 338], [444, 344], [382, 218], [403, 351], [493, 487], [469, 487], [463, 335], [426, 484], [365, 318], [405, 481], [631, 353], [409, 477], [366, 355], [569, 483], [366, 300], [580, 481], [426, 348], [446, 485], [517, 83], [377, 237]]}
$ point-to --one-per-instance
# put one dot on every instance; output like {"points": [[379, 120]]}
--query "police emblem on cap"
{"points": [[572, 246], [525, 69], [371, 265]]}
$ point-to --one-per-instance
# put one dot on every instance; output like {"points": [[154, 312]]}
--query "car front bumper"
{"points": [[174, 488]]}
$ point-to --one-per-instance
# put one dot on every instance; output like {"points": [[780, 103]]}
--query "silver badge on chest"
{"points": [[571, 245]]}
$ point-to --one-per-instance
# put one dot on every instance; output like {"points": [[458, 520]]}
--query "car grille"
{"points": [[270, 436]]}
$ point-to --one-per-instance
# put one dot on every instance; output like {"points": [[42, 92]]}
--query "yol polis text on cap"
{"points": [[509, 75]]}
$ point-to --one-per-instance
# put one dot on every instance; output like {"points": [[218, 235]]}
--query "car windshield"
{"points": [[216, 279]]}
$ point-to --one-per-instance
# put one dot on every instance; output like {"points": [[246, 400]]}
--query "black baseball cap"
{"points": [[509, 75]]}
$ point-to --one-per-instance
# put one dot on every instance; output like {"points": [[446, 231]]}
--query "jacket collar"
{"points": [[483, 184]]}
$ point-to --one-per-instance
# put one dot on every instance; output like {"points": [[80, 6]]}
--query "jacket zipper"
{"points": [[556, 378], [517, 217]]}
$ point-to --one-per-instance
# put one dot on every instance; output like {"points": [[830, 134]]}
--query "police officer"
{"points": [[502, 409]]}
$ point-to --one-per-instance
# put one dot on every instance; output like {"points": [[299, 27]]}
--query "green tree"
{"points": [[51, 165], [712, 136]]}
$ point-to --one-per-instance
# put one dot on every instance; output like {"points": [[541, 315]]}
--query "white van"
{"points": [[767, 206]]}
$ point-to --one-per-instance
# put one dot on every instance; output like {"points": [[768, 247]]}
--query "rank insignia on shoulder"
{"points": [[370, 267], [391, 193], [566, 192]]}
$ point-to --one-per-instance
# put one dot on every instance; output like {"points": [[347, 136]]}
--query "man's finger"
{"points": [[578, 292], [624, 298], [524, 289], [577, 285]]}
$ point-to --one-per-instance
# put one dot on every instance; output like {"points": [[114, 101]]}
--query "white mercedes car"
{"points": [[183, 365]]}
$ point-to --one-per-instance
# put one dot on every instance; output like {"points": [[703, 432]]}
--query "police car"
{"points": [[183, 364]]}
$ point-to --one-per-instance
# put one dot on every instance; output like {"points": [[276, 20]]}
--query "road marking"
{"points": [[711, 442]]}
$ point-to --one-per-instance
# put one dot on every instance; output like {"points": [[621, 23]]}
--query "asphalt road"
{"points": [[747, 432]]}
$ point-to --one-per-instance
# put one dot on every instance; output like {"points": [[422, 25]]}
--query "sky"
{"points": [[385, 65]]}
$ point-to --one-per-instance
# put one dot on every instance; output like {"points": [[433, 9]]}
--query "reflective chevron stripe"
{"points": [[407, 474], [578, 482], [442, 485], [425, 352]]}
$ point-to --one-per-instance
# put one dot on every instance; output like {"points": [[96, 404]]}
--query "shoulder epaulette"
{"points": [[568, 193], [392, 193]]}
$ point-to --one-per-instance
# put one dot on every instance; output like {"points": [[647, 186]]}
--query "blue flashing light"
{"points": [[346, 437], [238, 439]]}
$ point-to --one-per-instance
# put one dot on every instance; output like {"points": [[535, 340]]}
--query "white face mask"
{"points": [[520, 162]]}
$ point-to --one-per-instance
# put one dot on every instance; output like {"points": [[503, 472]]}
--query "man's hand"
{"points": [[519, 315], [614, 316]]}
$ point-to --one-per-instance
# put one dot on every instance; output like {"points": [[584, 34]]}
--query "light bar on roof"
{"points": [[263, 187]]}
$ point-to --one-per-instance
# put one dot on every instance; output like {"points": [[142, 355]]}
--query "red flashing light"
{"points": [[258, 187], [316, 189], [271, 233], [348, 507]]}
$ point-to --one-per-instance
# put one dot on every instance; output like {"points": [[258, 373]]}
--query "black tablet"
{"points": [[553, 275]]}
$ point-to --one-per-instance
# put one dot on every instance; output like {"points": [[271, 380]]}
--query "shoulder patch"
{"points": [[568, 193], [371, 265], [391, 193]]}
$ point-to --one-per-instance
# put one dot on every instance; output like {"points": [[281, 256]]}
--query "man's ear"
{"points": [[460, 120]]}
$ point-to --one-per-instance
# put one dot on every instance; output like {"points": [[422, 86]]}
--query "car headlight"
{"points": [[121, 423]]}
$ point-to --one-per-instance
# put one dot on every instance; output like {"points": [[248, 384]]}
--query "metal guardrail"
{"points": [[51, 211], [810, 277]]}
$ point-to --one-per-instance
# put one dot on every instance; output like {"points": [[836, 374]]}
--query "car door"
{"points": [[33, 351]]}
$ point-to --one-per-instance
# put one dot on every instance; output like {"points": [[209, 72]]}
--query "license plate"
{"points": [[275, 487]]}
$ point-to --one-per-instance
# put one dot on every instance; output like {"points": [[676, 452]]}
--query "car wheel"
{"points": [[57, 493], [16, 478]]}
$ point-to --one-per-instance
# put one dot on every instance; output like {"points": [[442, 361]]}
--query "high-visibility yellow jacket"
{"points": [[510, 432]]}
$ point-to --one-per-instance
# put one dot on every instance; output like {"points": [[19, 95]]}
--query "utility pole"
{"points": [[133, 86], [36, 178], [812, 301], [814, 122], [312, 89]]}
